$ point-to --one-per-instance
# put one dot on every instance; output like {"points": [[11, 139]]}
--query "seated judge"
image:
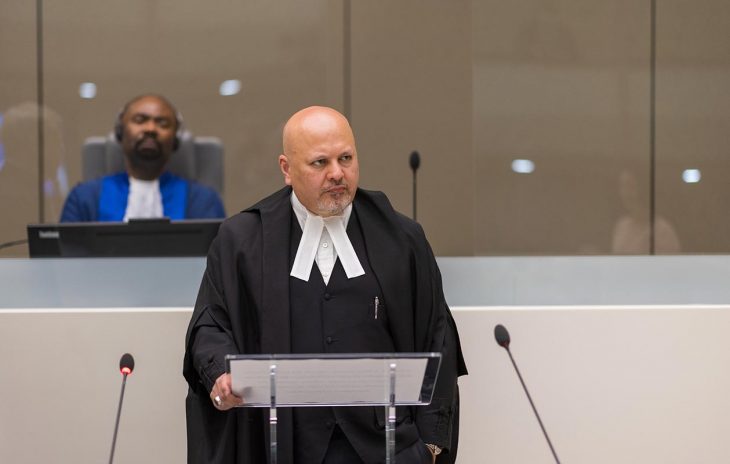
{"points": [[148, 130], [321, 266]]}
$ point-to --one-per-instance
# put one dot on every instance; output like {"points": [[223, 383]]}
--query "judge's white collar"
{"points": [[313, 227], [144, 199]]}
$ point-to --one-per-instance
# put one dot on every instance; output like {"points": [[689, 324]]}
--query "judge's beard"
{"points": [[147, 164]]}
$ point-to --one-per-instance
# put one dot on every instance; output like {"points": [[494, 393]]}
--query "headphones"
{"points": [[179, 129]]}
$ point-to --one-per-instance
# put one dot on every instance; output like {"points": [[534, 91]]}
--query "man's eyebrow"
{"points": [[147, 115]]}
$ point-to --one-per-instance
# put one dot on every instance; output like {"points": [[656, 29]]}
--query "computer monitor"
{"points": [[136, 238]]}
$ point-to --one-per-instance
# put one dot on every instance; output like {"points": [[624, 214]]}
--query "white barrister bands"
{"points": [[313, 229]]}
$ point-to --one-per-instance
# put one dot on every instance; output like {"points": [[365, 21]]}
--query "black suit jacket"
{"points": [[243, 307]]}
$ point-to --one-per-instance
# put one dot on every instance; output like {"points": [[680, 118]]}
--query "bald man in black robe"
{"points": [[252, 301]]}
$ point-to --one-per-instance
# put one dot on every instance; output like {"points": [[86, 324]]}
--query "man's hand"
{"points": [[433, 457], [222, 396], [434, 451]]}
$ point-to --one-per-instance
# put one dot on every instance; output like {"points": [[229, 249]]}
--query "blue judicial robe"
{"points": [[105, 199]]}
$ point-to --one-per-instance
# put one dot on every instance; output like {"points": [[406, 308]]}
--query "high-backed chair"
{"points": [[197, 158]]}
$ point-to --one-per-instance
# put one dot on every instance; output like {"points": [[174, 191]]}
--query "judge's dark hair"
{"points": [[119, 126]]}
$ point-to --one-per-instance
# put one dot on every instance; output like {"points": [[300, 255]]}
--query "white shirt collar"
{"points": [[144, 200], [313, 227]]}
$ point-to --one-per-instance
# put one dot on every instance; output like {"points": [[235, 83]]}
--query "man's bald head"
{"points": [[313, 121], [320, 159]]}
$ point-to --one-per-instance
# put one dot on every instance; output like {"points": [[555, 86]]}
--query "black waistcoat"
{"points": [[336, 318]]}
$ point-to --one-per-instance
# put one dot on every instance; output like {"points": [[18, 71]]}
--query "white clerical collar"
{"points": [[144, 200], [312, 228]]}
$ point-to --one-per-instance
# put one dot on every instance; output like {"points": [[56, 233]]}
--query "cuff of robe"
{"points": [[434, 427], [210, 373]]}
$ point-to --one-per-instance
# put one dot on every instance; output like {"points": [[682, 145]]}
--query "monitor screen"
{"points": [[136, 238]]}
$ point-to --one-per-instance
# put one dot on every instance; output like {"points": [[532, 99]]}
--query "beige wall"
{"points": [[469, 84], [613, 384]]}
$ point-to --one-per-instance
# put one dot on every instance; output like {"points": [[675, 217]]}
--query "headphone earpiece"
{"points": [[179, 130], [118, 127]]}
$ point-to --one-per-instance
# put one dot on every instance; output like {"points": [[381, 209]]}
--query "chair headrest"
{"points": [[197, 158]]}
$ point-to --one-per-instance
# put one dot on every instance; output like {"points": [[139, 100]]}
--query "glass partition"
{"points": [[693, 124], [561, 127], [543, 126], [19, 167], [234, 70]]}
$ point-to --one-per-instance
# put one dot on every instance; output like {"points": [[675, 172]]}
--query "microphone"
{"points": [[502, 336], [126, 366], [414, 161], [503, 339], [12, 243]]}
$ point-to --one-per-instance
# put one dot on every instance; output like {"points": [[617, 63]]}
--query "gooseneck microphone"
{"points": [[414, 161], [12, 243], [126, 366], [503, 339]]}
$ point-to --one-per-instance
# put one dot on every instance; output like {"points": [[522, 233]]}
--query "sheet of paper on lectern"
{"points": [[330, 382]]}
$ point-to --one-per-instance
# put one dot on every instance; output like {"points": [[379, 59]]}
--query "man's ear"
{"points": [[284, 166]]}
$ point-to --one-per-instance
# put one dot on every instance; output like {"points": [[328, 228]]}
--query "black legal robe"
{"points": [[243, 307]]}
